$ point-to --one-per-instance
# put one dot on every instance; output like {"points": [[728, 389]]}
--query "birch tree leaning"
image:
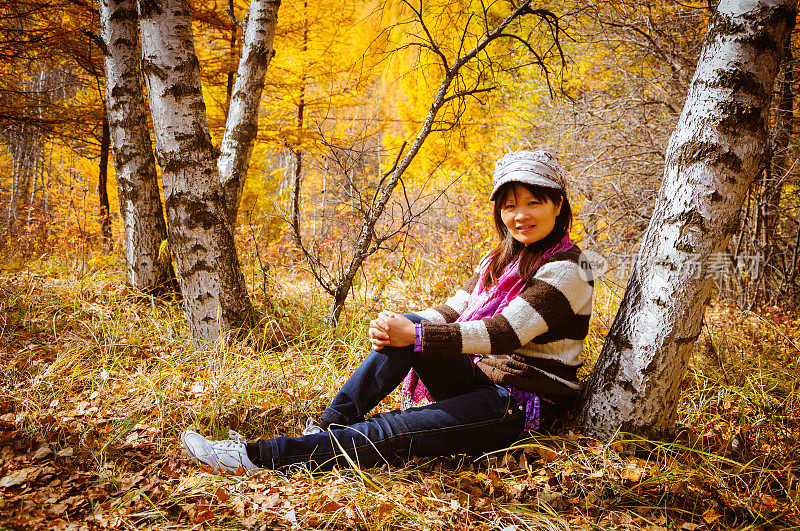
{"points": [[200, 230], [134, 163], [718, 148]]}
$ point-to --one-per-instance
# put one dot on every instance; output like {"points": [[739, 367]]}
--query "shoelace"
{"points": [[236, 436], [234, 440]]}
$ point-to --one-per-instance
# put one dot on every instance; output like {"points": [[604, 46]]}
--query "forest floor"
{"points": [[98, 382]]}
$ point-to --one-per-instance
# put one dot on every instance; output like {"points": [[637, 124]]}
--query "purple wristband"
{"points": [[418, 337]]}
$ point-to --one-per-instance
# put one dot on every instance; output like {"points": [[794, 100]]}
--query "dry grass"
{"points": [[99, 382]]}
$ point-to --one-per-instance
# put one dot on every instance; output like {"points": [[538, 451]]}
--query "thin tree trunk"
{"points": [[102, 187], [200, 233], [32, 197], [25, 151], [780, 165], [44, 234], [297, 182], [134, 164], [242, 123], [716, 151], [11, 211], [294, 200]]}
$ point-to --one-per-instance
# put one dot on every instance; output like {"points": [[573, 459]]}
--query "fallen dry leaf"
{"points": [[42, 452], [17, 477], [66, 452], [633, 474], [711, 516], [222, 494], [547, 454]]}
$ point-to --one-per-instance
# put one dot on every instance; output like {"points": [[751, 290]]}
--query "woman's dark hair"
{"points": [[508, 249]]}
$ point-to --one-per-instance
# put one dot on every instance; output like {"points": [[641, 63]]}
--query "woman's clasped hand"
{"points": [[390, 329]]}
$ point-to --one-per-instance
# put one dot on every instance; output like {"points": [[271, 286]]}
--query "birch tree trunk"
{"points": [[134, 164], [200, 234], [716, 151], [25, 150], [242, 123]]}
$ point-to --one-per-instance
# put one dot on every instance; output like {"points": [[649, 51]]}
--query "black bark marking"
{"points": [[182, 90], [175, 165], [123, 14], [204, 296], [198, 215], [689, 217], [703, 151], [730, 160], [621, 341], [698, 151], [123, 156], [722, 25], [260, 56], [739, 81], [735, 116], [628, 386], [150, 8], [651, 367], [611, 372], [149, 67], [200, 265], [191, 64], [122, 42], [761, 41], [117, 92], [244, 132]]}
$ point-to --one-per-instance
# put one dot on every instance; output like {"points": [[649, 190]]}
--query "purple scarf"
{"points": [[482, 304]]}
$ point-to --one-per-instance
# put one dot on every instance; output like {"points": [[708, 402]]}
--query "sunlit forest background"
{"points": [[346, 87], [104, 378]]}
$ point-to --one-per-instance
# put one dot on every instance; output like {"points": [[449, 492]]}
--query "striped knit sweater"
{"points": [[535, 342]]}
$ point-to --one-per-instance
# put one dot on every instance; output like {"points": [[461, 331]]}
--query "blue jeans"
{"points": [[471, 414]]}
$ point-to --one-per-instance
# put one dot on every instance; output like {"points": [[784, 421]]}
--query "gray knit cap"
{"points": [[537, 167]]}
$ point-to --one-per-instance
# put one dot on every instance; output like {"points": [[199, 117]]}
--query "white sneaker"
{"points": [[228, 456], [311, 428]]}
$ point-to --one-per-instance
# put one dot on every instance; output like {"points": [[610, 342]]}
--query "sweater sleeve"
{"points": [[556, 295], [454, 306]]}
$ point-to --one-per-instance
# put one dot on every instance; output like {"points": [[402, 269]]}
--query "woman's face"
{"points": [[528, 219]]}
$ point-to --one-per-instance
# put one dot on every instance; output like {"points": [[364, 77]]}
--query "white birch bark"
{"points": [[242, 123], [717, 149], [134, 164], [200, 236]]}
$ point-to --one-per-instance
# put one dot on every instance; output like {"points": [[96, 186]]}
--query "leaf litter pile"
{"points": [[98, 384]]}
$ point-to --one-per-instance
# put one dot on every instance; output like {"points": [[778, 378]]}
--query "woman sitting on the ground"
{"points": [[498, 358]]}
